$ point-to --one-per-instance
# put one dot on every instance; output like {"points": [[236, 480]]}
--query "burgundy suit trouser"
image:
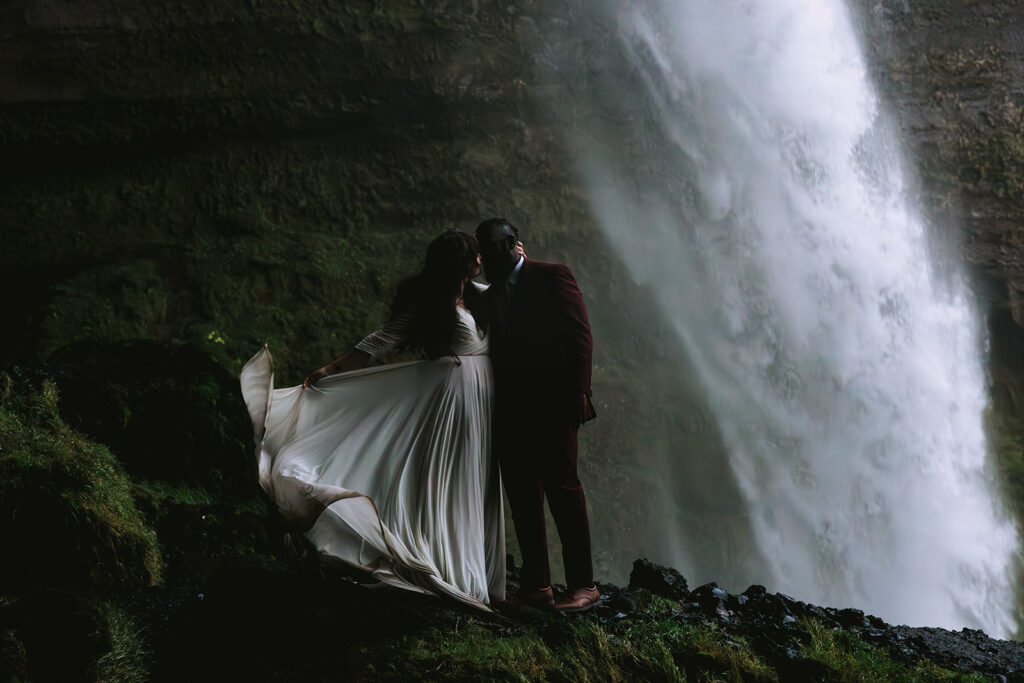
{"points": [[538, 460]]}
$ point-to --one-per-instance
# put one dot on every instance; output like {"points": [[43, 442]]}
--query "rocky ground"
{"points": [[261, 619], [775, 623]]}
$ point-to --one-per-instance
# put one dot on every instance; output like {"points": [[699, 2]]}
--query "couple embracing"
{"points": [[396, 470]]}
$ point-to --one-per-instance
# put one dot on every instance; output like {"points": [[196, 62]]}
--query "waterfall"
{"points": [[738, 161]]}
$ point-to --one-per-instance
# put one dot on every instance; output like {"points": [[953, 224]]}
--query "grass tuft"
{"points": [[473, 652], [127, 660], [648, 649]]}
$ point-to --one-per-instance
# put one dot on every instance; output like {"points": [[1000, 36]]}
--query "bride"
{"points": [[388, 469]]}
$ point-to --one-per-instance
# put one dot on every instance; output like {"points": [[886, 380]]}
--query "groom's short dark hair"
{"points": [[486, 225]]}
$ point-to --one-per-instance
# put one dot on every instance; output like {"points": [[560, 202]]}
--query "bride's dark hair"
{"points": [[431, 295]]}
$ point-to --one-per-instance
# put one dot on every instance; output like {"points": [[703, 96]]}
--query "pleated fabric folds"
{"points": [[388, 470]]}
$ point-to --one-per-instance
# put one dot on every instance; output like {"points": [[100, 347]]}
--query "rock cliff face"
{"points": [[233, 168], [245, 171], [954, 75]]}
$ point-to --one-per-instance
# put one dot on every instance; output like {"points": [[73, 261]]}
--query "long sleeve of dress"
{"points": [[394, 332]]}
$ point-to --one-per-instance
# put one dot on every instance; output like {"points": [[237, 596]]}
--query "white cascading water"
{"points": [[844, 373]]}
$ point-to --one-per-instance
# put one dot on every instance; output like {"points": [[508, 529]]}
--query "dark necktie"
{"points": [[502, 306]]}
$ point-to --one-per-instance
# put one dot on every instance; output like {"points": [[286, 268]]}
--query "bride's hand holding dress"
{"points": [[353, 360]]}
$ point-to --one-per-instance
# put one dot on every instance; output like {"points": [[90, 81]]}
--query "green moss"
{"points": [[847, 659], [66, 503], [996, 165], [1006, 441], [152, 495], [108, 303], [157, 492]]}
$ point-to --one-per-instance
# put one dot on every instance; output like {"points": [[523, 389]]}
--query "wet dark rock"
{"points": [[663, 581], [777, 605], [711, 600], [874, 635], [825, 615], [736, 601], [851, 617], [756, 592], [966, 650], [707, 592], [627, 600], [875, 622]]}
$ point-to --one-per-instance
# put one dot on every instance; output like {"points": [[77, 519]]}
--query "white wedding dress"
{"points": [[389, 467]]}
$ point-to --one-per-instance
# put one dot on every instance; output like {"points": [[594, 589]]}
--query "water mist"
{"points": [[746, 173]]}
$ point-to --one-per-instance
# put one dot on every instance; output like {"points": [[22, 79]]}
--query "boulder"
{"points": [[659, 580]]}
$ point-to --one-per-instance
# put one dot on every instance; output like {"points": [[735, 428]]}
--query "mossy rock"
{"points": [[168, 412], [67, 517], [61, 636]]}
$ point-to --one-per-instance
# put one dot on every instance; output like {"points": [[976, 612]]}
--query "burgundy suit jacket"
{"points": [[542, 356]]}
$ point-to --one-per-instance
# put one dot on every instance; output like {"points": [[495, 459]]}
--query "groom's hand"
{"points": [[584, 409]]}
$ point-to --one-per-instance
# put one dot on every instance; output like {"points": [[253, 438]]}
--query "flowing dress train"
{"points": [[389, 469]]}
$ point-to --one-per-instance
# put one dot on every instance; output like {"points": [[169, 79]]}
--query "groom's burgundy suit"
{"points": [[541, 351]]}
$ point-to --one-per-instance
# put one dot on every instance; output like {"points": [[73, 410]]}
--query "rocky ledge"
{"points": [[261, 619], [777, 624]]}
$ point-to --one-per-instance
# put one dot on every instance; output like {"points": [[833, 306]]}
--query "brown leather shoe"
{"points": [[582, 599], [534, 597]]}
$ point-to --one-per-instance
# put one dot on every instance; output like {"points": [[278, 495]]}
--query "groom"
{"points": [[541, 352]]}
